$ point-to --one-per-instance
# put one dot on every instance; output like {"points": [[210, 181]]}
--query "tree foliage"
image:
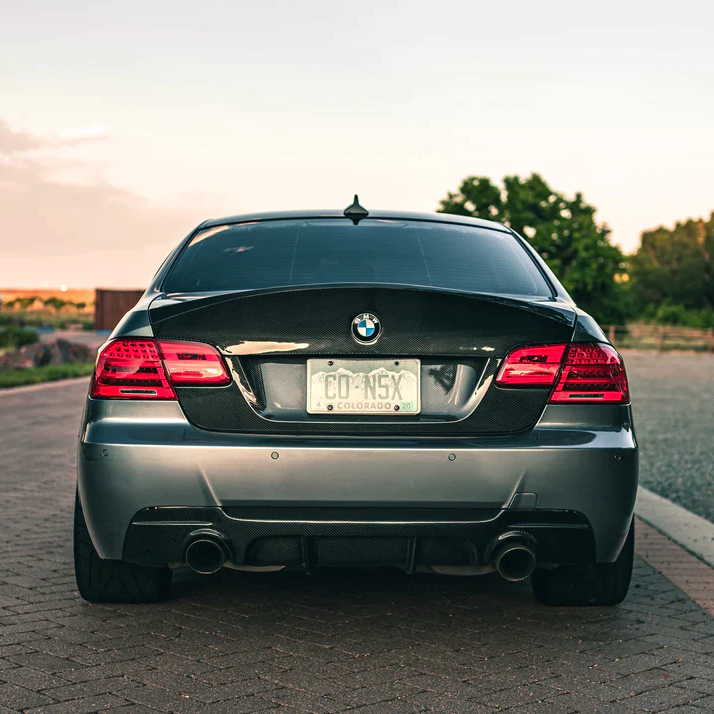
{"points": [[674, 267], [563, 231], [22, 303], [54, 303]]}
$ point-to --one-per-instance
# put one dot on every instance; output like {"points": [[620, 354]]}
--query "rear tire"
{"points": [[596, 584], [102, 580]]}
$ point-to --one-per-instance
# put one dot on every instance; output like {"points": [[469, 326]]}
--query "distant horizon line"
{"points": [[58, 290]]}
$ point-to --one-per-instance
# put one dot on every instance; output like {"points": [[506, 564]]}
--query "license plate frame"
{"points": [[363, 382]]}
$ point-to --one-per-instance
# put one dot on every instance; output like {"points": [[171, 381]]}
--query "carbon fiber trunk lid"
{"points": [[268, 336]]}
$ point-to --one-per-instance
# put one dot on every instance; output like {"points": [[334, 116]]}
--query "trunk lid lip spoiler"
{"points": [[553, 306]]}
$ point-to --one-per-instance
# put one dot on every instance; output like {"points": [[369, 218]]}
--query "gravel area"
{"points": [[673, 398]]}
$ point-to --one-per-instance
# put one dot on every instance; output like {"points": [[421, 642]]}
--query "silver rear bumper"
{"points": [[137, 456]]}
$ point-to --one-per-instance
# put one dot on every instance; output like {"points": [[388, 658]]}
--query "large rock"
{"points": [[41, 354]]}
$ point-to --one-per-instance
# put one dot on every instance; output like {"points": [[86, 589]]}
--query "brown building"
{"points": [[110, 306]]}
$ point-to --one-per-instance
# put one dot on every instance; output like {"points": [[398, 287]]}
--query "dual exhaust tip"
{"points": [[513, 559]]}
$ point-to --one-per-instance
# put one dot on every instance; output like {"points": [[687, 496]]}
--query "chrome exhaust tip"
{"points": [[205, 556], [514, 561]]}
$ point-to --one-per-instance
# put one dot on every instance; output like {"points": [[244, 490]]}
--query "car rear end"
{"points": [[311, 391]]}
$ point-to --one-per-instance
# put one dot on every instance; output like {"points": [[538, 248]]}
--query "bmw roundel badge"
{"points": [[366, 328]]}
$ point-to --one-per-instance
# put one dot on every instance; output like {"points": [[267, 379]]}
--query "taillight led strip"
{"points": [[149, 369], [580, 373]]}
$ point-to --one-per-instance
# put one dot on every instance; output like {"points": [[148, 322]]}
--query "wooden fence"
{"points": [[661, 337]]}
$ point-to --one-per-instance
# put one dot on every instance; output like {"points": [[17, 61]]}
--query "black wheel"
{"points": [[597, 584], [101, 580]]}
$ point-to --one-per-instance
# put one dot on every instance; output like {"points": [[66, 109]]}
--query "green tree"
{"points": [[22, 303], [563, 231], [674, 267]]}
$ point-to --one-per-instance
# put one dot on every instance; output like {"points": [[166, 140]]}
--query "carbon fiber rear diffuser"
{"points": [[158, 536]]}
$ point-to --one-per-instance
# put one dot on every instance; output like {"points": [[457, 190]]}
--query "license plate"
{"points": [[357, 386]]}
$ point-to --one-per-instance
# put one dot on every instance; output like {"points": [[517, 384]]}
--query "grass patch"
{"points": [[35, 375]]}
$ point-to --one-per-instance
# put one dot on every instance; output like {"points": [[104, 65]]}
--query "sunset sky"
{"points": [[123, 124]]}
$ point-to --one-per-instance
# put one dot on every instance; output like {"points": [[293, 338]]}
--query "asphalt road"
{"points": [[338, 641], [673, 402]]}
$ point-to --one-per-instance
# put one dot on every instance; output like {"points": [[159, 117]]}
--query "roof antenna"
{"points": [[356, 212]]}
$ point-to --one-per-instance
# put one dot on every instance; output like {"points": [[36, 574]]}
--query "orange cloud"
{"points": [[18, 141], [80, 234]]}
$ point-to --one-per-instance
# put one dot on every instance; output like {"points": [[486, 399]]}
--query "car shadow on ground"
{"points": [[368, 583], [337, 614], [341, 595]]}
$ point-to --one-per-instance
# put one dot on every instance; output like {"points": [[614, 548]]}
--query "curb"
{"points": [[694, 533]]}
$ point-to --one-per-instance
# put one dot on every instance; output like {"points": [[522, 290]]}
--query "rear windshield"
{"points": [[268, 254]]}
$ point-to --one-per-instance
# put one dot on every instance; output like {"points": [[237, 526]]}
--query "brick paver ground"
{"points": [[337, 641]]}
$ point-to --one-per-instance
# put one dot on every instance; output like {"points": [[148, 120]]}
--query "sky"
{"points": [[124, 124]]}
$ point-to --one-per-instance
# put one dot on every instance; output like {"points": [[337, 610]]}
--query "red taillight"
{"points": [[536, 366], [592, 373], [582, 373], [193, 363], [145, 369], [130, 369]]}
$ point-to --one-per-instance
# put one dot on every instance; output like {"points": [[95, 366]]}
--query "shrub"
{"points": [[16, 337], [668, 313], [34, 319]]}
